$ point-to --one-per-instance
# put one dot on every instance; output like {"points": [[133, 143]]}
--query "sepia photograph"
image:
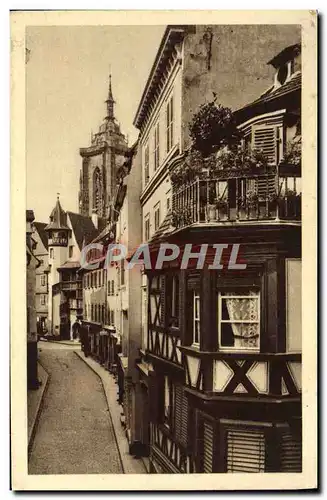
{"points": [[163, 202]]}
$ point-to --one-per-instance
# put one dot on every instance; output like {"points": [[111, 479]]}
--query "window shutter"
{"points": [[245, 451], [266, 186], [207, 447], [265, 140], [181, 415], [155, 392], [291, 452]]}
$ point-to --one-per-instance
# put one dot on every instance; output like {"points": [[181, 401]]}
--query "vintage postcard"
{"points": [[163, 300]]}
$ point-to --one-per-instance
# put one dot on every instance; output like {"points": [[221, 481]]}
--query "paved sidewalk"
{"points": [[74, 433], [62, 342], [131, 465], [34, 402]]}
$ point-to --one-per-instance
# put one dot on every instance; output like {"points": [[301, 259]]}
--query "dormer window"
{"points": [[282, 74], [286, 63]]}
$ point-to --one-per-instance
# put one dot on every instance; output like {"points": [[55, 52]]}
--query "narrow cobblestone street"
{"points": [[74, 434]]}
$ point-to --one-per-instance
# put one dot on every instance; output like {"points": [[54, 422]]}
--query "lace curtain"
{"points": [[246, 334]]}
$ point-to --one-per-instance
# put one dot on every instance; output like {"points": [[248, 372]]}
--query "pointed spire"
{"points": [[110, 102], [58, 218], [110, 96]]}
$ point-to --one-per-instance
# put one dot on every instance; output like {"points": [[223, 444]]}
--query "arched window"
{"points": [[97, 190]]}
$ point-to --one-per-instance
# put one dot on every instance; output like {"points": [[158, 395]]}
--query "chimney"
{"points": [[95, 218]]}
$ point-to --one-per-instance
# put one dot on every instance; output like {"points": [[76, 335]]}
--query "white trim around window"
{"points": [[243, 320], [196, 319]]}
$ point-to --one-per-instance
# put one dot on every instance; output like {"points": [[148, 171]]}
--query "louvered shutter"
{"points": [[291, 452], [265, 140], [207, 447], [181, 415], [155, 393], [266, 186], [245, 451]]}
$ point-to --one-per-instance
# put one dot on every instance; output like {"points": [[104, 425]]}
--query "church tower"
{"points": [[100, 163], [58, 234]]}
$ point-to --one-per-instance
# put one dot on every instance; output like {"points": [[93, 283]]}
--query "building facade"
{"points": [[41, 290], [112, 298], [100, 162], [221, 360], [32, 264], [67, 234]]}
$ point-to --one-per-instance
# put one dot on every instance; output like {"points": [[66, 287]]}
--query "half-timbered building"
{"points": [[221, 361]]}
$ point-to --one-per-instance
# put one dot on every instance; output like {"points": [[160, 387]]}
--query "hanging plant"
{"points": [[237, 158], [213, 127], [293, 152]]}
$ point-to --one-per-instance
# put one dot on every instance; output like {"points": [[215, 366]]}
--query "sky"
{"points": [[66, 85]]}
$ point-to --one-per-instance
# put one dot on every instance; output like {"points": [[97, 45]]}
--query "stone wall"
{"points": [[230, 61]]}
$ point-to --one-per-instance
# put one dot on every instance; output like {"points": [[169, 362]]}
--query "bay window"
{"points": [[239, 320]]}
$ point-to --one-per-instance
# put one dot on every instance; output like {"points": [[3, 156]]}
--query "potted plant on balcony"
{"points": [[222, 207], [289, 205], [252, 200], [293, 152], [211, 204], [188, 170]]}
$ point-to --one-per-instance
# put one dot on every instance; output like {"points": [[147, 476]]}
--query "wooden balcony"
{"points": [[64, 286], [240, 197], [71, 285], [75, 304]]}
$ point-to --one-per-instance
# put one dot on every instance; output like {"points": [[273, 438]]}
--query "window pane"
{"points": [[196, 332], [240, 335], [240, 309], [196, 307]]}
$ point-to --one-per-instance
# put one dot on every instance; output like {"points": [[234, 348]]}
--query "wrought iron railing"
{"points": [[236, 196]]}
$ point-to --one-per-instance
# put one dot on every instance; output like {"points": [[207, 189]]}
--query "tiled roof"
{"points": [[104, 234], [285, 55], [292, 85], [70, 265], [164, 230], [40, 227], [58, 218], [83, 228]]}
